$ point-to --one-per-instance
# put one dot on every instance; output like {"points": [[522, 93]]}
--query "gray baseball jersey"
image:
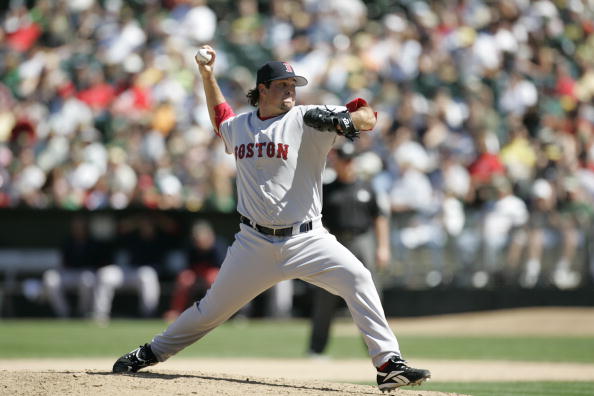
{"points": [[279, 183], [279, 166]]}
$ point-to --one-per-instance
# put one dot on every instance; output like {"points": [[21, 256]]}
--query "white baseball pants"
{"points": [[256, 262]]}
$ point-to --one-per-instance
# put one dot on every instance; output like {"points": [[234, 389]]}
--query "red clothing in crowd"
{"points": [[485, 167]]}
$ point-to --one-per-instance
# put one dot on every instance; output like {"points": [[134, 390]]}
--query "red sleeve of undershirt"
{"points": [[356, 104], [222, 112]]}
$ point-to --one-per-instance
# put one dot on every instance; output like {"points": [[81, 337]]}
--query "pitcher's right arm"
{"points": [[218, 108]]}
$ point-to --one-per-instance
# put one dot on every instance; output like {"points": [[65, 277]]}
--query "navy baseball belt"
{"points": [[288, 231]]}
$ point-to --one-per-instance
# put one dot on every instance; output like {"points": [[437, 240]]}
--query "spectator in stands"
{"points": [[576, 214], [451, 182], [145, 241], [485, 167], [543, 230], [415, 209], [204, 255], [502, 235], [518, 156]]}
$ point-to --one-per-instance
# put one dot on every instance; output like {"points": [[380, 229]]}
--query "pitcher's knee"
{"points": [[356, 278]]}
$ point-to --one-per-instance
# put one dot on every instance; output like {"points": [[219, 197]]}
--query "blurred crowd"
{"points": [[484, 141]]}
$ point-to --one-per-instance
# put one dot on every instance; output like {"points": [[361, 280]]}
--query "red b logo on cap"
{"points": [[288, 67]]}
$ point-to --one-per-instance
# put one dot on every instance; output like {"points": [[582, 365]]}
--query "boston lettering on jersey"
{"points": [[263, 149]]}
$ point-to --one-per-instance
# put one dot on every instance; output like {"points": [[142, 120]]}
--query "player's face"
{"points": [[280, 97]]}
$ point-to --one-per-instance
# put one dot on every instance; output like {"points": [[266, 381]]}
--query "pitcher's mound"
{"points": [[162, 382]]}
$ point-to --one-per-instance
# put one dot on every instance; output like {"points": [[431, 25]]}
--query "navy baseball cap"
{"points": [[276, 70]]}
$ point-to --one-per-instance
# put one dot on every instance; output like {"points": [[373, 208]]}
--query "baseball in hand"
{"points": [[202, 56]]}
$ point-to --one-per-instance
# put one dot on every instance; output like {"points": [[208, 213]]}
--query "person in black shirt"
{"points": [[351, 211]]}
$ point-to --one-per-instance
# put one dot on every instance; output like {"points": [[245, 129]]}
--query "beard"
{"points": [[286, 106]]}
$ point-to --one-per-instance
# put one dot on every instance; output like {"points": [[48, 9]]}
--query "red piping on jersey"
{"points": [[356, 104], [222, 112]]}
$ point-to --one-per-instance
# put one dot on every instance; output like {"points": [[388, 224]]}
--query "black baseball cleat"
{"points": [[133, 361], [395, 373]]}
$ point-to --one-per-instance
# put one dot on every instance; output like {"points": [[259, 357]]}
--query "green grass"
{"points": [[287, 339], [513, 388], [536, 349]]}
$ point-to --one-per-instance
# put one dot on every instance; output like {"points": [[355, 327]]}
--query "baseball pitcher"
{"points": [[280, 150]]}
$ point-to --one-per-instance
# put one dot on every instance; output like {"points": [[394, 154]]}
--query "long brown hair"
{"points": [[253, 94]]}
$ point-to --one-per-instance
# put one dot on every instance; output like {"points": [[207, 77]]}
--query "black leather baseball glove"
{"points": [[331, 121]]}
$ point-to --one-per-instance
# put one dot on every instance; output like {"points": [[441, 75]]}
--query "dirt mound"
{"points": [[327, 370], [157, 382]]}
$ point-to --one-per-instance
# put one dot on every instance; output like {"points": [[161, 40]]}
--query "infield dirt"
{"points": [[153, 383]]}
